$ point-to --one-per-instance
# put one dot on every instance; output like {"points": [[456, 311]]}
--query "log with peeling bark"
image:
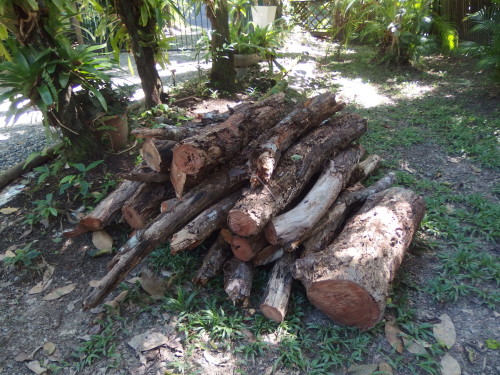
{"points": [[245, 248], [157, 154], [218, 144], [213, 261], [222, 183], [145, 204], [145, 174], [349, 281], [279, 286], [200, 228], [105, 211], [295, 223], [238, 278], [326, 229], [303, 118], [258, 206], [268, 255]]}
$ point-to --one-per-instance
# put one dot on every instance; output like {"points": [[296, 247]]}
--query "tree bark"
{"points": [[140, 245], [168, 132], [299, 163], [220, 143], [213, 261], [238, 277], [304, 117], [200, 228], [157, 154], [349, 280], [294, 224], [268, 255], [279, 286]]}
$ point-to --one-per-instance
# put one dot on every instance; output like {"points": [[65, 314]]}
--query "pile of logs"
{"points": [[278, 185]]}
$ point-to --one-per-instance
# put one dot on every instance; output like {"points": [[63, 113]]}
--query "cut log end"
{"points": [[345, 302], [92, 224], [188, 159], [240, 222], [133, 218], [272, 313]]}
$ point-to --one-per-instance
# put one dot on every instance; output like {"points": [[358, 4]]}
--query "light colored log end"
{"points": [[241, 223], [91, 223], [272, 313], [188, 158]]}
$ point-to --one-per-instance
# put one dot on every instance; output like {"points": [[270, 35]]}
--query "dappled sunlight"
{"points": [[413, 90], [362, 93]]}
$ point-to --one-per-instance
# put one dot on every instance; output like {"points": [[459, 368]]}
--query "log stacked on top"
{"points": [[276, 188]]}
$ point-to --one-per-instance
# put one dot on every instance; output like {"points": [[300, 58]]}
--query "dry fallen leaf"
{"points": [[362, 369], [45, 283], [393, 335], [385, 368], [22, 356], [49, 348], [102, 241], [59, 292], [154, 285], [147, 341], [36, 367], [8, 210], [444, 332], [450, 366], [475, 169], [94, 283]]}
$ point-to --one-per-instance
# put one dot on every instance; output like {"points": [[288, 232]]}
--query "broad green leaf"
{"points": [[144, 16], [492, 344], [33, 4], [79, 166], [30, 158], [99, 97], [59, 4], [66, 179], [53, 211], [63, 79], [93, 165], [44, 92]]}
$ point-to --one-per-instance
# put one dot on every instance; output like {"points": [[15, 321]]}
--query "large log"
{"points": [[200, 228], [220, 143], [295, 223], [349, 280], [238, 278], [258, 206], [303, 118], [279, 286], [222, 183], [213, 261]]}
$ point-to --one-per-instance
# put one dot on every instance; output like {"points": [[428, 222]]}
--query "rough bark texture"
{"points": [[157, 154], [220, 143], [238, 277], [213, 261], [306, 116], [279, 286], [245, 249], [299, 163], [199, 229], [145, 174], [294, 224], [158, 231], [268, 255], [349, 281], [168, 132]]}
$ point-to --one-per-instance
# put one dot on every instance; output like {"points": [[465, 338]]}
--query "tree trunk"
{"points": [[144, 46], [299, 163], [349, 280], [304, 117], [213, 262], [294, 224], [222, 74], [238, 277], [279, 286]]}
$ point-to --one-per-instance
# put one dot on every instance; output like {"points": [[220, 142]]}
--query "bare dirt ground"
{"points": [[37, 328]]}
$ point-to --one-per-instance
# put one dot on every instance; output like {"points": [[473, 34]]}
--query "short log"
{"points": [[238, 278], [213, 261]]}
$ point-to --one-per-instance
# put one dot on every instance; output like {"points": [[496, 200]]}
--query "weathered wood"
{"points": [[213, 261], [104, 212], [145, 204], [145, 175], [245, 248], [167, 132], [303, 118], [157, 154], [295, 223], [364, 168], [200, 228], [279, 286], [268, 255], [258, 206], [325, 230], [220, 143], [238, 278], [158, 231], [349, 280]]}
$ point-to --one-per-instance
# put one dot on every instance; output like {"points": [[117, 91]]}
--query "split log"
{"points": [[278, 289], [258, 206], [145, 175], [203, 225], [294, 224], [245, 248], [104, 212], [213, 261], [238, 277], [303, 118], [157, 154], [162, 227], [364, 168], [326, 229], [268, 255], [349, 280], [220, 143], [145, 204]]}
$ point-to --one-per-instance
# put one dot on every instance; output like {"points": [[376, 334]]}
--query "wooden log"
{"points": [[349, 280], [325, 230], [157, 154], [104, 212], [279, 286], [258, 206], [222, 183], [200, 228], [245, 248], [268, 255], [213, 261], [238, 278], [145, 175], [145, 204], [295, 223], [220, 143], [303, 118], [364, 168], [167, 132]]}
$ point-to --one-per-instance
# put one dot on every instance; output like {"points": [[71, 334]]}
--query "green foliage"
{"points": [[78, 181], [43, 210], [24, 257]]}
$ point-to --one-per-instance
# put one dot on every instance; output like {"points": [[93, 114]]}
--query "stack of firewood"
{"points": [[278, 185]]}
